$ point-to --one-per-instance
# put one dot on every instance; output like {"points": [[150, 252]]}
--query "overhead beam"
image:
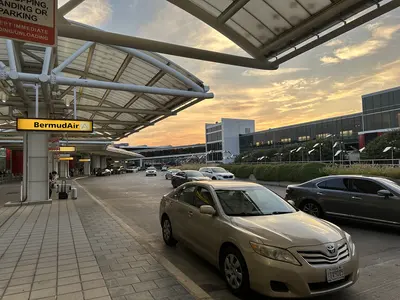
{"points": [[111, 85], [70, 59], [69, 6], [108, 38], [231, 10]]}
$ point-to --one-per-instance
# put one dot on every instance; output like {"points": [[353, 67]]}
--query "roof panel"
{"points": [[99, 93], [120, 98], [268, 28], [143, 104], [127, 117], [106, 61]]}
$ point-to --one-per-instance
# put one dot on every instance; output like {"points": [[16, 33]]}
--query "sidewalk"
{"points": [[71, 250]]}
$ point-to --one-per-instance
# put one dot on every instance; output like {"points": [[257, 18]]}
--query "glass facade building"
{"points": [[345, 128]]}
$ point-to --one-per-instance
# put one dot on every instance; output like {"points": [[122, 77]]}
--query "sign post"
{"points": [[31, 21]]}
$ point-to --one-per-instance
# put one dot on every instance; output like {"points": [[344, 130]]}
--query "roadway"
{"points": [[135, 198]]}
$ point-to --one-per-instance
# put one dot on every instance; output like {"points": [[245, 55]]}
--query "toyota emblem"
{"points": [[331, 249]]}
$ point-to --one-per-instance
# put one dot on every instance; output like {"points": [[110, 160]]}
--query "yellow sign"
{"points": [[54, 125], [66, 158], [65, 149], [84, 160]]}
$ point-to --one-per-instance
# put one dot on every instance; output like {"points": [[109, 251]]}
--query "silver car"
{"points": [[217, 173], [170, 173], [258, 240], [371, 199]]}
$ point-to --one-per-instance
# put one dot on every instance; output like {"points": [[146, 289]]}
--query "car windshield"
{"points": [[391, 183], [174, 170], [252, 202], [219, 170], [194, 174], [151, 168]]}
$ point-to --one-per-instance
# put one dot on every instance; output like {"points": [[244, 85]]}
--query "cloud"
{"points": [[334, 43], [91, 12], [366, 48], [327, 60], [282, 71], [380, 39]]}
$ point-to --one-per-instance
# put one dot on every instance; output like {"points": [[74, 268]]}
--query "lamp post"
{"points": [[309, 153], [320, 150], [392, 150], [302, 152], [290, 154]]}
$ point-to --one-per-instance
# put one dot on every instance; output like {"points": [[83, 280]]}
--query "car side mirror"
{"points": [[291, 202], [207, 210], [384, 193]]}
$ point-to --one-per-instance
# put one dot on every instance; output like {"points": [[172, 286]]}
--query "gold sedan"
{"points": [[258, 240]]}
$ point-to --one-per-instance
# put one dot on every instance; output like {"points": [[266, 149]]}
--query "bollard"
{"points": [[74, 193]]}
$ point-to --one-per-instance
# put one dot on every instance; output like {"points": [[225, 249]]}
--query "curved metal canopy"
{"points": [[122, 90], [278, 30]]}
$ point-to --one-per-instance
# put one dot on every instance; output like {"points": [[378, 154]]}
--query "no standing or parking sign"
{"points": [[29, 21]]}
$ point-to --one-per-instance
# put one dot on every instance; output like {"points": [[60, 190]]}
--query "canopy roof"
{"points": [[122, 90], [268, 29]]}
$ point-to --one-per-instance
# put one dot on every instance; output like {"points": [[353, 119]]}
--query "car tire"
{"points": [[312, 208], [234, 269], [167, 232], [214, 178]]}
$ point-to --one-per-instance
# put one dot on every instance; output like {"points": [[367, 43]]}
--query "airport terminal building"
{"points": [[380, 113]]}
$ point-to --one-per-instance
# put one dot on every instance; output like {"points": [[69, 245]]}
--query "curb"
{"points": [[195, 290]]}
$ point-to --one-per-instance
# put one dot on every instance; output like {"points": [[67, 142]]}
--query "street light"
{"points": [[302, 154], [320, 150], [290, 154], [309, 153], [392, 149]]}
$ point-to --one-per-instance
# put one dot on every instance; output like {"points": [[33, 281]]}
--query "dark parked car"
{"points": [[371, 199], [103, 172], [187, 176], [119, 170]]}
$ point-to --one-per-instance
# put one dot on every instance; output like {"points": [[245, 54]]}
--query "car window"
{"points": [[252, 202], [187, 195], [203, 197], [365, 186], [180, 174], [218, 170], [194, 174], [202, 170], [338, 184]]}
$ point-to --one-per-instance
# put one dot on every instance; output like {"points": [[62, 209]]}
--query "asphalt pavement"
{"points": [[135, 199]]}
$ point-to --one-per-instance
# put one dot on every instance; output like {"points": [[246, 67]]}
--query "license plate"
{"points": [[335, 274]]}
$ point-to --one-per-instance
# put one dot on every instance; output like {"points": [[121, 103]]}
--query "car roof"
{"points": [[222, 184], [348, 176]]}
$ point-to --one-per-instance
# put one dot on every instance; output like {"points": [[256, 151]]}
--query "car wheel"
{"points": [[167, 232], [235, 271], [214, 178], [311, 208]]}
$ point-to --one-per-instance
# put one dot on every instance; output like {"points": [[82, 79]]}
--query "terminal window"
{"points": [[286, 140], [304, 138], [346, 133]]}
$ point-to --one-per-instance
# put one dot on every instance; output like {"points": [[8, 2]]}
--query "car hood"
{"points": [[290, 230]]}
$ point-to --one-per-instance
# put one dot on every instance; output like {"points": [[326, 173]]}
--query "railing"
{"points": [[7, 178], [387, 162]]}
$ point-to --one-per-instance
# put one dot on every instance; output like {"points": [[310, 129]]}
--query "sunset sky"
{"points": [[324, 82]]}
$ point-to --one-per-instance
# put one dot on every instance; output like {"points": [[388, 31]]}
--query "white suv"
{"points": [[217, 173]]}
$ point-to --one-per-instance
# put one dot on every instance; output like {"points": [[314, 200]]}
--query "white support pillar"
{"points": [[103, 162], [63, 168], [86, 168], [50, 160], [36, 163], [95, 160]]}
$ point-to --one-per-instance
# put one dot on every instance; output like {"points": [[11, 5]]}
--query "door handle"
{"points": [[320, 194], [356, 198], [190, 214]]}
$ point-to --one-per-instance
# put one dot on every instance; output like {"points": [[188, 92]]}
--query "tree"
{"points": [[374, 149]]}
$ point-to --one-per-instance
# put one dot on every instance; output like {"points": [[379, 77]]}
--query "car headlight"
{"points": [[275, 253], [352, 246]]}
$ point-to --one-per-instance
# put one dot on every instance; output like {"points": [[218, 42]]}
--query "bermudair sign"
{"points": [[54, 125], [29, 20]]}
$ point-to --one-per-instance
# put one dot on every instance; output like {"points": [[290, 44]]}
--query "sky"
{"points": [[324, 82]]}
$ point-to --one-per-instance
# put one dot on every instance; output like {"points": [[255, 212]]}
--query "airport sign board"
{"points": [[31, 21], [65, 158], [84, 160], [54, 125], [64, 149]]}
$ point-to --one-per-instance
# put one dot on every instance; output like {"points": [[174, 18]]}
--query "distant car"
{"points": [[103, 172], [217, 173], [370, 199], [119, 170], [187, 176], [151, 171], [258, 241], [132, 170], [170, 173], [164, 168]]}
